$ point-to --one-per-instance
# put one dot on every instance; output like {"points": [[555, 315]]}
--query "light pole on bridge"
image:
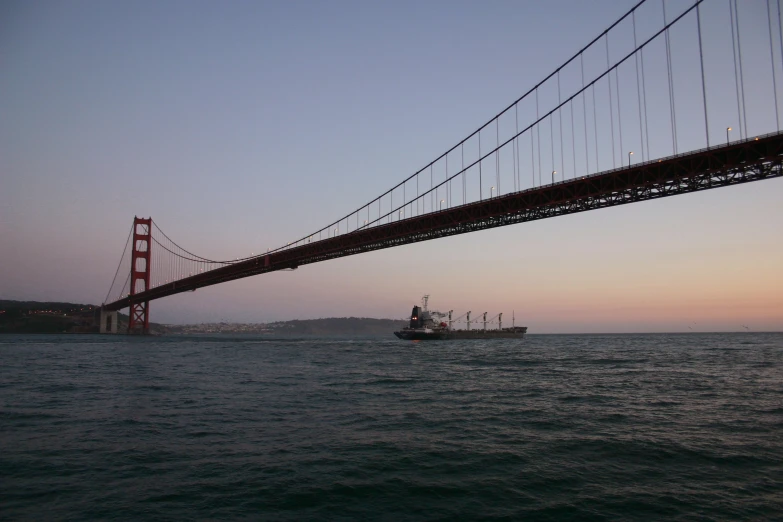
{"points": [[553, 176], [629, 159], [727, 134]]}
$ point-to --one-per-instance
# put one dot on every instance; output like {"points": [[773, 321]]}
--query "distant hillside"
{"points": [[46, 317], [338, 326], [55, 317], [7, 304], [329, 326]]}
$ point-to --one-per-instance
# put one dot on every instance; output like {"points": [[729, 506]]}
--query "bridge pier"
{"points": [[108, 322]]}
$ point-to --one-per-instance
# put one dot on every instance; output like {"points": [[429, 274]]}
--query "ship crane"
{"points": [[485, 321], [457, 320], [476, 320], [499, 317]]}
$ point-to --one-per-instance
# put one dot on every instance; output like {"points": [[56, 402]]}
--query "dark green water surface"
{"points": [[612, 427]]}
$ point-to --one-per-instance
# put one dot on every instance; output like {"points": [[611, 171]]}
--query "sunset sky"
{"points": [[240, 126]]}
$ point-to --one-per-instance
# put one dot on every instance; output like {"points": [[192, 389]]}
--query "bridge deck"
{"points": [[740, 162]]}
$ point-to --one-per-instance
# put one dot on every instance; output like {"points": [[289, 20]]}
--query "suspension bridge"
{"points": [[658, 104]]}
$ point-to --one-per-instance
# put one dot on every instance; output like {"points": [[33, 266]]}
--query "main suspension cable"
{"points": [[184, 250], [572, 97], [471, 135], [122, 258]]}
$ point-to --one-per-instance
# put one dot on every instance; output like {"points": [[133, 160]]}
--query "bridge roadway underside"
{"points": [[740, 162]]}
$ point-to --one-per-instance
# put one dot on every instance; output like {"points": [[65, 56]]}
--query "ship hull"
{"points": [[409, 334]]}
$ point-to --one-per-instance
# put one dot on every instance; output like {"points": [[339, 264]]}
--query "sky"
{"points": [[240, 126]]}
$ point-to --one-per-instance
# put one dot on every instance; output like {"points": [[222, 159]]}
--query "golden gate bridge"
{"points": [[597, 112]]}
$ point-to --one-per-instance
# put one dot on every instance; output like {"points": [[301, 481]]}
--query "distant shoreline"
{"points": [[45, 317], [35, 317]]}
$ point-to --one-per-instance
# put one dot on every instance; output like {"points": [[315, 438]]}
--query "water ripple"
{"points": [[633, 427]]}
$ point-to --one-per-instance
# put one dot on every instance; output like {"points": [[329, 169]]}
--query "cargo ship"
{"points": [[429, 325]]}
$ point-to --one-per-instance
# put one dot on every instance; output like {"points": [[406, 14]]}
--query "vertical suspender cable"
{"points": [[560, 118], [619, 113], [644, 96], [736, 72], [532, 159], [595, 130], [162, 265], [516, 145], [464, 186], [448, 187], [703, 85], [552, 141], [497, 155], [742, 77], [772, 63], [538, 131], [481, 195], [432, 206], [584, 113], [573, 138], [671, 85], [164, 261], [611, 101], [638, 91], [780, 31], [514, 161]]}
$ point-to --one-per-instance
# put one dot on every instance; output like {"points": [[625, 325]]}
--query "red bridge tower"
{"points": [[139, 317]]}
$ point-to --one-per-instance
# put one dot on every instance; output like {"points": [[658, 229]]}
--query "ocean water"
{"points": [[560, 427]]}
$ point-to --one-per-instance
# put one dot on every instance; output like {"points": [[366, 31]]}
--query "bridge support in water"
{"points": [[108, 322], [139, 316]]}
